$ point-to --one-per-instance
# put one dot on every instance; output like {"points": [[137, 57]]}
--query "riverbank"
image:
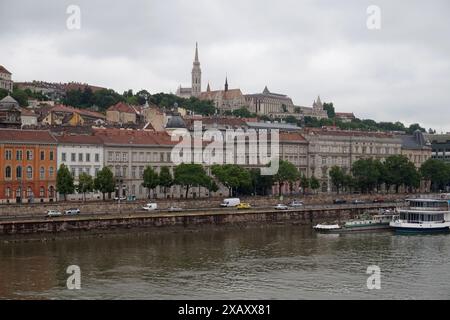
{"points": [[133, 220]]}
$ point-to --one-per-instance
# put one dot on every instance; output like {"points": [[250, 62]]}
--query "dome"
{"points": [[8, 102], [176, 122]]}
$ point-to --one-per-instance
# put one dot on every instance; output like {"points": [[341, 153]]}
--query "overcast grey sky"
{"points": [[299, 48]]}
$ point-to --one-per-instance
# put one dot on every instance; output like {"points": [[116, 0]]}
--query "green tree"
{"points": [[151, 179], [287, 173], [437, 173], [104, 181], [400, 171], [85, 184], [366, 174], [260, 184], [243, 113], [314, 183], [165, 179], [64, 181], [305, 183], [232, 176], [190, 175], [337, 176], [329, 108]]}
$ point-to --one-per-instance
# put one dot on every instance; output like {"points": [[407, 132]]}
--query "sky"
{"points": [[301, 48]]}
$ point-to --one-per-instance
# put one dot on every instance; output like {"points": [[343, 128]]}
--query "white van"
{"points": [[150, 207], [230, 202]]}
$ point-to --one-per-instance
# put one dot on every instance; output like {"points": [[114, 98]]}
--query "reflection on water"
{"points": [[267, 262]]}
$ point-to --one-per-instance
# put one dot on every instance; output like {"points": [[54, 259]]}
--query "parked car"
{"points": [[243, 205], [54, 213], [339, 201], [358, 201], [378, 200], [121, 198], [281, 206], [150, 207], [296, 204], [175, 209], [72, 211], [230, 202]]}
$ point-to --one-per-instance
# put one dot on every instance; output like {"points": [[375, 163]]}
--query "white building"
{"points": [[81, 154]]}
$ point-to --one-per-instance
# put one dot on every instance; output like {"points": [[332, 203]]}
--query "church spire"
{"points": [[196, 52], [226, 83], [208, 88], [196, 75]]}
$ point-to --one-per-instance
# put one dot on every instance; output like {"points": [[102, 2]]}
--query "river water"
{"points": [[253, 262]]}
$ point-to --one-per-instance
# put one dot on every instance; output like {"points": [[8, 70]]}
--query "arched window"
{"points": [[19, 172], [8, 172], [42, 173], [50, 172], [29, 172], [8, 192], [29, 192], [42, 192]]}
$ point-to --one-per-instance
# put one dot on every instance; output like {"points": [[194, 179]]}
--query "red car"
{"points": [[378, 200]]}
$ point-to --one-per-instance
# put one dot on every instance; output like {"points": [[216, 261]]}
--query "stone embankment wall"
{"points": [[113, 207]]}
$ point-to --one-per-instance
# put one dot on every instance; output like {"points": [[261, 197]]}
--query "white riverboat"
{"points": [[423, 216]]}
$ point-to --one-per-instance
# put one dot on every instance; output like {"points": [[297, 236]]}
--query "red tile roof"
{"points": [[291, 137], [78, 139], [134, 137], [123, 107], [26, 136], [83, 112]]}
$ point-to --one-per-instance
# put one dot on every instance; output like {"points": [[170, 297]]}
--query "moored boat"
{"points": [[423, 216], [366, 222]]}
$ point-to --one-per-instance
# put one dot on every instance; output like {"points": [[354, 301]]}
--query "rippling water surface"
{"points": [[268, 262]]}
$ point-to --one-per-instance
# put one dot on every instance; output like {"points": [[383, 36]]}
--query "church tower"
{"points": [[196, 75]]}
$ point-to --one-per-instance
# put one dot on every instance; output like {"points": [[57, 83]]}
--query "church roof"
{"points": [[176, 122], [226, 95]]}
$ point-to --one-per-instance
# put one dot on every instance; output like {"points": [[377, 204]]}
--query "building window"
{"points": [[19, 172], [73, 157], [51, 192], [63, 157], [42, 173], [51, 156], [124, 157], [43, 155], [29, 155], [8, 174], [19, 192], [88, 157], [110, 156], [29, 192], [72, 170], [97, 157], [80, 157], [8, 192], [96, 171], [42, 192], [88, 171], [8, 155], [50, 172], [18, 154], [29, 172]]}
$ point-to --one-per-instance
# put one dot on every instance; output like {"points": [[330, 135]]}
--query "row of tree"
{"points": [[397, 171], [237, 179]]}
